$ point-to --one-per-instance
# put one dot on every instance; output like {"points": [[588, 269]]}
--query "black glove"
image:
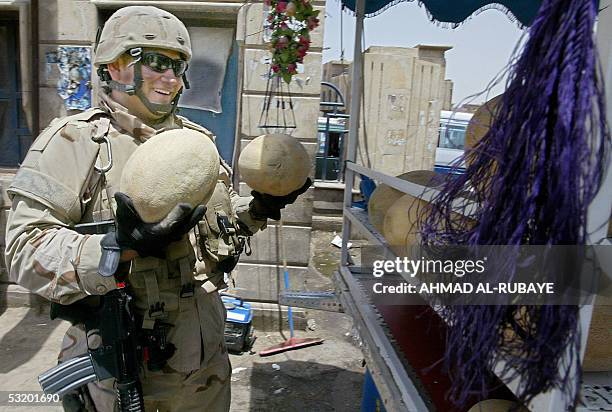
{"points": [[151, 239], [264, 206], [228, 264]]}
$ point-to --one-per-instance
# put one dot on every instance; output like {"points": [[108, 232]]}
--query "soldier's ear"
{"points": [[117, 68], [114, 69]]}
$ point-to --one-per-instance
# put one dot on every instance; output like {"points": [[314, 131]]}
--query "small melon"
{"points": [[175, 166], [276, 164], [401, 224], [480, 124], [384, 196]]}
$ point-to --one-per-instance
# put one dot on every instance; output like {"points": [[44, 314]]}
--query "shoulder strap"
{"points": [[58, 124], [195, 126], [62, 188]]}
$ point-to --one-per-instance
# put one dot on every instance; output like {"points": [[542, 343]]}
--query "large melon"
{"points": [[402, 219], [276, 164], [175, 166]]}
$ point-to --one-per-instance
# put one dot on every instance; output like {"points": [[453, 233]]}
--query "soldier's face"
{"points": [[161, 87], [157, 87]]}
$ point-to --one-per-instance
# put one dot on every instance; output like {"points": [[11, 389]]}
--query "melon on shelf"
{"points": [[384, 196]]}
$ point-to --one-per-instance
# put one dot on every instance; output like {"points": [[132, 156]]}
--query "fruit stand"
{"points": [[402, 344]]}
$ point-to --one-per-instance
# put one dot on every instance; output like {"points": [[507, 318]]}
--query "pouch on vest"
{"points": [[218, 238]]}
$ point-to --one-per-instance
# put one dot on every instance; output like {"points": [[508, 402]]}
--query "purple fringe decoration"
{"points": [[533, 176]]}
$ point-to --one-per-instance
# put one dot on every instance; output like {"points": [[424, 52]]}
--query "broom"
{"points": [[292, 343]]}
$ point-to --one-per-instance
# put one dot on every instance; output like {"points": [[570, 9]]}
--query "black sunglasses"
{"points": [[160, 63]]}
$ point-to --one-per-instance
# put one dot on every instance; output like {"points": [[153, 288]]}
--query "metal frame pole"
{"points": [[326, 148], [351, 153], [601, 207]]}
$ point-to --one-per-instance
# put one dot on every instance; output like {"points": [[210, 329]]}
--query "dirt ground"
{"points": [[327, 377]]}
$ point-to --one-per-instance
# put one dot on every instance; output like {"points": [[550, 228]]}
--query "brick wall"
{"points": [[257, 275], [74, 22]]}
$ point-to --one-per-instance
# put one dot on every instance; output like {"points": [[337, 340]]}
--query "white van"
{"points": [[451, 140]]}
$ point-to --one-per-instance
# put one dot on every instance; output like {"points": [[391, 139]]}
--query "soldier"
{"points": [[71, 176]]}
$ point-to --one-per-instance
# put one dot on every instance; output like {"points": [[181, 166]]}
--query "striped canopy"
{"points": [[455, 12]]}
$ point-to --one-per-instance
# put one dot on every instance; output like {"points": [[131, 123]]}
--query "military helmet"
{"points": [[141, 26]]}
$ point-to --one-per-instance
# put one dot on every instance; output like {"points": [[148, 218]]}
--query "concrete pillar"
{"points": [[61, 23], [404, 93]]}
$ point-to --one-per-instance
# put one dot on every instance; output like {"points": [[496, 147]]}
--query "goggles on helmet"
{"points": [[160, 63]]}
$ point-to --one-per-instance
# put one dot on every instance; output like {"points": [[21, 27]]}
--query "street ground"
{"points": [[326, 377]]}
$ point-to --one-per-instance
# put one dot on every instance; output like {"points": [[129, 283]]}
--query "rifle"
{"points": [[117, 353]]}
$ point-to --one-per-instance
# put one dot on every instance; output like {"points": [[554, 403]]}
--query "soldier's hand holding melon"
{"points": [[164, 186], [276, 167]]}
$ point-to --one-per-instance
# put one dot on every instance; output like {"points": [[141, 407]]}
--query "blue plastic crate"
{"points": [[238, 324]]}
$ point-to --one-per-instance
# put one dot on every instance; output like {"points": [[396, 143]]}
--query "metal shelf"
{"points": [[423, 192], [359, 218], [396, 388], [599, 210], [547, 402]]}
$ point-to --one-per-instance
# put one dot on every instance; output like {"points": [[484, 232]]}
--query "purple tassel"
{"points": [[534, 175]]}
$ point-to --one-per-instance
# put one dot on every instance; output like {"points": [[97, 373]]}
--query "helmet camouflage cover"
{"points": [[141, 26]]}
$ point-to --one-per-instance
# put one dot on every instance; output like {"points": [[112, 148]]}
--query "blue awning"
{"points": [[456, 11]]}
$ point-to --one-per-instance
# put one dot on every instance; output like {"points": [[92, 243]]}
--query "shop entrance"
{"points": [[15, 137]]}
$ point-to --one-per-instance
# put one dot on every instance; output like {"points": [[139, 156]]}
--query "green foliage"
{"points": [[291, 23]]}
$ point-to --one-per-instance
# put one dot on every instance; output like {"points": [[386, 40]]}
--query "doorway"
{"points": [[15, 136]]}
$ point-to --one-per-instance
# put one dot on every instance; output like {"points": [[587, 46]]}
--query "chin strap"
{"points": [[136, 87], [164, 109], [125, 88]]}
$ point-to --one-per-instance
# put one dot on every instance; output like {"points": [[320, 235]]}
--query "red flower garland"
{"points": [[291, 24]]}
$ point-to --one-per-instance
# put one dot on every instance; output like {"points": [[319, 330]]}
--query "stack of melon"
{"points": [[397, 217], [395, 214], [598, 354]]}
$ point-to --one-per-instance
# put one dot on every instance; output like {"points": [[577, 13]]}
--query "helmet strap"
{"points": [[125, 88], [164, 109]]}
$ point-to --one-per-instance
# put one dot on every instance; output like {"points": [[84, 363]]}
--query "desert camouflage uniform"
{"points": [[58, 187]]}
